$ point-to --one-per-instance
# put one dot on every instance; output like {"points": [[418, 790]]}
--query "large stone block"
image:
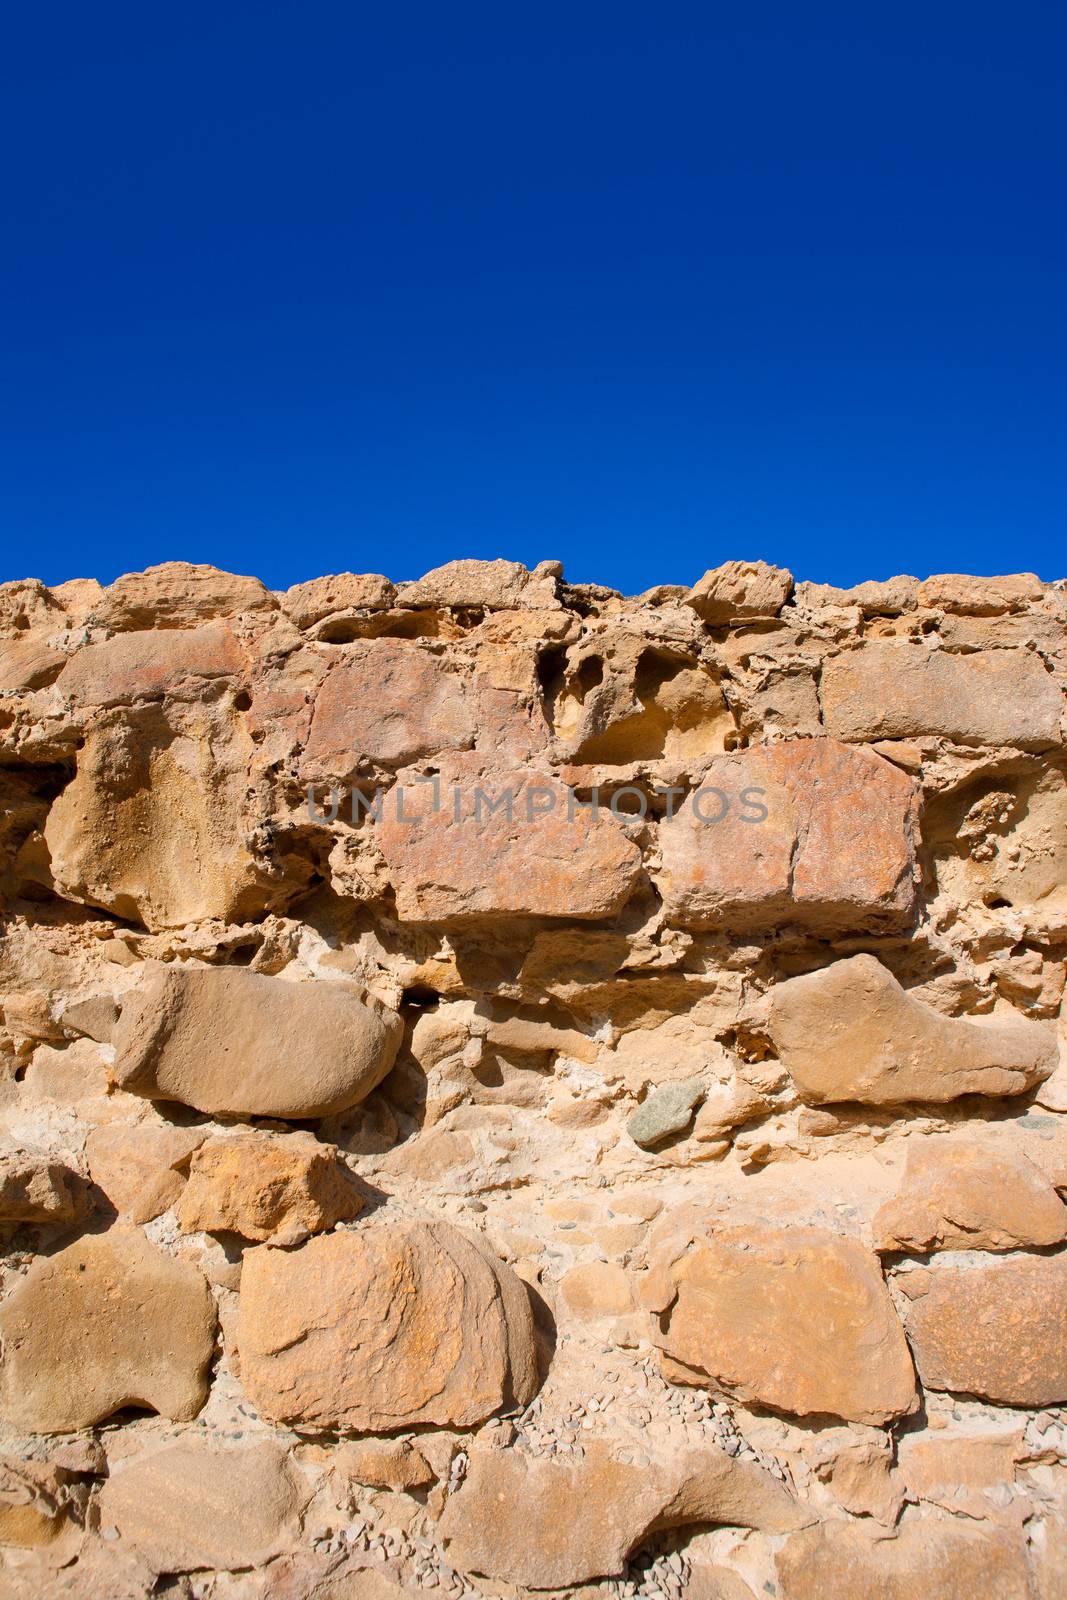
{"points": [[960, 1194], [195, 1503], [740, 591], [927, 1560], [537, 853], [177, 594], [547, 1524], [236, 1043], [387, 701], [385, 1328], [149, 663], [996, 1330], [850, 1032], [152, 826], [109, 1322], [267, 1186], [796, 1320], [896, 690], [808, 831]]}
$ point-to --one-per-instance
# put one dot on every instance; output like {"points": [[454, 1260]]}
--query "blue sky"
{"points": [[306, 289]]}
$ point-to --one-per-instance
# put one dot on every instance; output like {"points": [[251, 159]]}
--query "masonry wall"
{"points": [[506, 1087]]}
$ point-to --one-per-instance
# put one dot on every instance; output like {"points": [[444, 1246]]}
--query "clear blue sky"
{"points": [[295, 289]]}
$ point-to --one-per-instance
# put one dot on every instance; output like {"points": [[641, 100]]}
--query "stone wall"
{"points": [[507, 1087]]}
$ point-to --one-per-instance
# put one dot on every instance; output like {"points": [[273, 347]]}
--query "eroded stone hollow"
{"points": [[512, 1089]]}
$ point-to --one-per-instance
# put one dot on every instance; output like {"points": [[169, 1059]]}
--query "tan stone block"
{"points": [[106, 1323], [922, 1560], [740, 591], [514, 1518], [850, 1032], [383, 1328], [145, 665], [141, 1167], [998, 1330], [278, 1187], [227, 1040], [485, 864], [965, 1195], [810, 832], [902, 691], [194, 1503], [797, 1320], [177, 594]]}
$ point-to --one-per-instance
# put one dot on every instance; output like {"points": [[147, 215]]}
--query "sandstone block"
{"points": [[981, 597], [965, 1195], [923, 1560], [539, 860], [106, 1323], [796, 1320], [230, 1041], [514, 1518], [850, 1032], [308, 603], [37, 1511], [28, 664], [34, 1188], [492, 585], [897, 690], [148, 663], [740, 591], [384, 1328], [142, 1167], [383, 1464], [266, 1186], [388, 701], [998, 1330], [151, 827], [177, 594], [807, 831], [195, 1504]]}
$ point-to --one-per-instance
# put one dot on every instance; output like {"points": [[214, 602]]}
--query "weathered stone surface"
{"points": [[383, 1464], [541, 861], [923, 1560], [152, 828], [148, 664], [227, 1040], [388, 701], [904, 691], [267, 1186], [141, 1167], [34, 1188], [308, 603], [850, 1032], [108, 1322], [27, 664], [384, 1328], [980, 597], [177, 594], [494, 585], [597, 1289], [998, 1330], [965, 1195], [514, 1519], [194, 1504], [739, 591], [667, 1110], [805, 831], [37, 1511], [796, 1320]]}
